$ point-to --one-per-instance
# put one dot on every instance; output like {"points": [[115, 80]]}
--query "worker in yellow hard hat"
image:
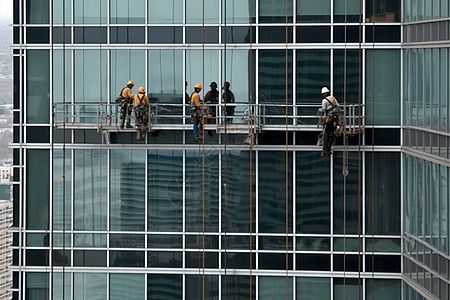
{"points": [[141, 110], [196, 110], [125, 101]]}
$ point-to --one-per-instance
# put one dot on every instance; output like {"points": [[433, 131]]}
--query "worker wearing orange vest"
{"points": [[196, 110], [330, 115], [141, 110]]}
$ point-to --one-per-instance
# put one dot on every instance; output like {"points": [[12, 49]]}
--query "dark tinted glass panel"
{"points": [[238, 287], [238, 260], [164, 287], [384, 11], [317, 11], [38, 134], [164, 241], [59, 136], [88, 258], [202, 196], [16, 117], [383, 136], [352, 34], [383, 34], [236, 34], [16, 35], [275, 34], [274, 261], [353, 72], [383, 193], [38, 189], [211, 282], [196, 242], [126, 259], [316, 262], [349, 287], [313, 72], [15, 239], [164, 259], [383, 263], [237, 242], [15, 205], [38, 86], [126, 241], [16, 82], [272, 192], [16, 134], [350, 214], [195, 260], [62, 35], [274, 243], [37, 258], [16, 8], [165, 35], [443, 31], [349, 263], [89, 35], [313, 193], [194, 35], [61, 257], [310, 34], [272, 84], [88, 136], [166, 137], [387, 289], [312, 244]]}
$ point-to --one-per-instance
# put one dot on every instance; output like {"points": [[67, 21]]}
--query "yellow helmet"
{"points": [[141, 90], [130, 82], [198, 86]]}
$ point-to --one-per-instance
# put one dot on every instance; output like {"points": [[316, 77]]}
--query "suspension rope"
{"points": [[360, 296], [287, 154]]}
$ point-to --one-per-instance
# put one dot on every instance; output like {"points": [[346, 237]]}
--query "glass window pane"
{"points": [[38, 35], [383, 193], [275, 11], [122, 72], [443, 195], [238, 287], [353, 71], [383, 245], [236, 195], [199, 191], [309, 288], [127, 211], [211, 287], [347, 244], [346, 289], [165, 12], [127, 240], [38, 86], [383, 11], [37, 189], [58, 286], [349, 7], [62, 76], [165, 35], [127, 12], [387, 289], [90, 35], [195, 7], [62, 189], [164, 287], [89, 240], [238, 11], [272, 192], [165, 190], [90, 203], [194, 62], [272, 288], [443, 77], [127, 35], [61, 7], [387, 87], [318, 11], [38, 12], [90, 11], [127, 286], [37, 240], [313, 193], [444, 9], [90, 286], [351, 209], [36, 286]]}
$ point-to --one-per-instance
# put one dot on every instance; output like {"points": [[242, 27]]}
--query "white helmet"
{"points": [[325, 90]]}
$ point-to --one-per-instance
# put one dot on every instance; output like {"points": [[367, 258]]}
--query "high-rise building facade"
{"points": [[5, 249], [426, 64], [99, 214]]}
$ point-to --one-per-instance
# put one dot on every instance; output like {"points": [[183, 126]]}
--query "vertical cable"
{"points": [[287, 152], [50, 239], [251, 152], [360, 296], [203, 148]]}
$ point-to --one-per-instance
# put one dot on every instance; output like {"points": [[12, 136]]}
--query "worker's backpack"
{"points": [[123, 101]]}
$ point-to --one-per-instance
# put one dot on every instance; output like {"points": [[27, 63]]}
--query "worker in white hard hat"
{"points": [[329, 113]]}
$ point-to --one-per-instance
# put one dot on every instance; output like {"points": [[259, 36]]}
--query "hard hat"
{"points": [[141, 90], [325, 90], [198, 86], [130, 82]]}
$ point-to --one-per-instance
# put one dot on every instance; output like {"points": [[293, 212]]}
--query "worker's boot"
{"points": [[122, 122]]}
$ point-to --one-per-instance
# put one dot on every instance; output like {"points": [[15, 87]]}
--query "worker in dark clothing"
{"points": [[196, 110], [228, 98], [187, 98], [125, 100], [329, 114], [141, 106], [212, 98]]}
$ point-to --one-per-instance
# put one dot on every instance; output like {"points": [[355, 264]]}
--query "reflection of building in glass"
{"points": [[169, 218]]}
